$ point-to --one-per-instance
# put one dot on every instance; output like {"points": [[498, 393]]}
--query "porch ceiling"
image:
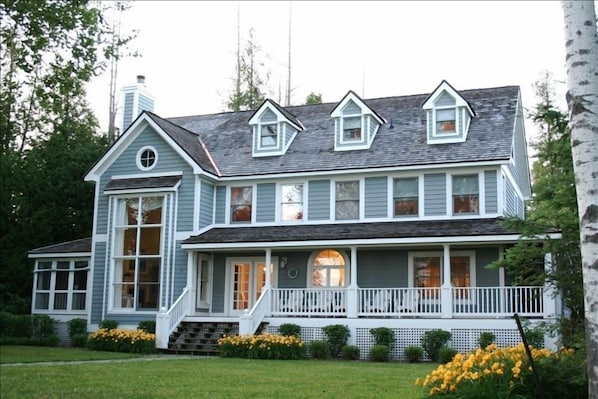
{"points": [[396, 231]]}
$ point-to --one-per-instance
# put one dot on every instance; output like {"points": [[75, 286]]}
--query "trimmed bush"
{"points": [[379, 353], [350, 352], [485, 339], [117, 340], [446, 354], [79, 340], [433, 340], [77, 326], [37, 330], [148, 326], [337, 337], [262, 346], [290, 329], [414, 354], [108, 324], [383, 336], [319, 350]]}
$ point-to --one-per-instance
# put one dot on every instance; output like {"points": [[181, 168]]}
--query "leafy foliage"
{"points": [[380, 353], [414, 354], [147, 326], [262, 346], [319, 350], [433, 340], [118, 340], [37, 330], [337, 336], [77, 326], [109, 324], [290, 329], [350, 352], [446, 354], [553, 206], [313, 98], [485, 339], [383, 336]]}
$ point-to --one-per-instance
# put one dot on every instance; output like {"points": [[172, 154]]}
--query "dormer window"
{"points": [[274, 129], [355, 124], [448, 116]]}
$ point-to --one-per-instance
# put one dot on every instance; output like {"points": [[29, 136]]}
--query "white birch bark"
{"points": [[581, 41]]}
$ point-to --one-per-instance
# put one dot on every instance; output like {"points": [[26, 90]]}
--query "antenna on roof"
{"points": [[392, 126]]}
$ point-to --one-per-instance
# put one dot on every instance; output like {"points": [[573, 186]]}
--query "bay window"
{"points": [[61, 285]]}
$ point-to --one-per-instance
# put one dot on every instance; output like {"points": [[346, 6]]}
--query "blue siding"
{"points": [[435, 194], [510, 199], [265, 208], [206, 204], [486, 277], [102, 204], [382, 269], [376, 197], [97, 289], [220, 211], [128, 109], [490, 188], [145, 104], [319, 200], [219, 282], [351, 108], [180, 271]]}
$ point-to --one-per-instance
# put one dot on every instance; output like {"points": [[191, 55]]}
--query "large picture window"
{"points": [[292, 202], [241, 199], [347, 200], [406, 196], [61, 285], [466, 194], [138, 254], [328, 269]]}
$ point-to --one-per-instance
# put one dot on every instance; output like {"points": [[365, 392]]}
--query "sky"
{"points": [[375, 48]]}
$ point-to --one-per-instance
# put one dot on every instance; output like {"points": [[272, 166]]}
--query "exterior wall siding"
{"points": [[220, 205], [382, 269], [97, 289], [319, 200], [265, 208], [145, 103], [180, 272], [510, 199], [491, 190], [206, 204], [128, 109], [218, 283], [376, 197], [435, 194], [486, 277]]}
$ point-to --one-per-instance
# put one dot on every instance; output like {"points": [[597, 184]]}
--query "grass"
{"points": [[214, 378], [31, 354]]}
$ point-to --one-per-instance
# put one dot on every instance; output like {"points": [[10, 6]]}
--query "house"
{"points": [[367, 213]]}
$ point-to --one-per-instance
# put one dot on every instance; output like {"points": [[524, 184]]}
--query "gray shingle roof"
{"points": [[228, 137], [142, 182], [75, 246], [352, 231]]}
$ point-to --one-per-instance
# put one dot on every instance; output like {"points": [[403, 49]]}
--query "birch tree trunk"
{"points": [[581, 41]]}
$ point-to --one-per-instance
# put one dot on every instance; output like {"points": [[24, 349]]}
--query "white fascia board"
{"points": [[332, 173], [121, 145], [445, 86], [255, 119], [365, 109], [490, 239], [513, 181], [61, 255]]}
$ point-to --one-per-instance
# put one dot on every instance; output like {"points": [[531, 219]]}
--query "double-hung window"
{"points": [[466, 194], [446, 121], [241, 199], [137, 253], [292, 202], [61, 285], [352, 128], [347, 200], [406, 196], [268, 135]]}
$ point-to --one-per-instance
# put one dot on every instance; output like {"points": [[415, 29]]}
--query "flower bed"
{"points": [[504, 373], [119, 340], [263, 346]]}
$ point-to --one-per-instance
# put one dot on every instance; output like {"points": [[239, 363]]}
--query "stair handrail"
{"points": [[251, 319], [167, 320]]}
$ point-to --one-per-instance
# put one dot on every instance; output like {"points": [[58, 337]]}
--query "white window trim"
{"points": [[276, 147], [278, 215], [341, 121], [138, 158], [310, 264], [424, 254], [70, 291], [435, 132]]}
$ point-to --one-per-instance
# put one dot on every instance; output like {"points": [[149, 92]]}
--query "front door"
{"points": [[247, 280]]}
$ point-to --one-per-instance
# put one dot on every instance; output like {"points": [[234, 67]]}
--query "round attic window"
{"points": [[146, 158]]}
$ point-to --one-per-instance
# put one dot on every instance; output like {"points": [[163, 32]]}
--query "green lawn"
{"points": [[213, 378], [30, 354]]}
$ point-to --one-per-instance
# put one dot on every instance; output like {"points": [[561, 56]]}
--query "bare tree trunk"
{"points": [[581, 41]]}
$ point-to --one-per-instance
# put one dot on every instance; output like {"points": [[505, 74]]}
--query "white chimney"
{"points": [[135, 99]]}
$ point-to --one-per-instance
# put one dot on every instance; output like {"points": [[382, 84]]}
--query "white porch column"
{"points": [[446, 294], [353, 289], [549, 297], [268, 263]]}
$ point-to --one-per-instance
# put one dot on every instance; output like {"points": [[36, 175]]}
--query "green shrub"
{"points": [[262, 346], [379, 353], [290, 329], [6, 323], [383, 336], [535, 337], [446, 354], [79, 340], [433, 340], [118, 340], [48, 340], [337, 336], [77, 327], [485, 339], [350, 352], [42, 326], [414, 354], [147, 326], [108, 324], [319, 349]]}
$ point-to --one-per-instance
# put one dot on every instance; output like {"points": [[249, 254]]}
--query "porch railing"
{"points": [[309, 301], [168, 320], [250, 321], [498, 301], [397, 301]]}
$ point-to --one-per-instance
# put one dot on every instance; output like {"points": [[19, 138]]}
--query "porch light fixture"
{"points": [[283, 262]]}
